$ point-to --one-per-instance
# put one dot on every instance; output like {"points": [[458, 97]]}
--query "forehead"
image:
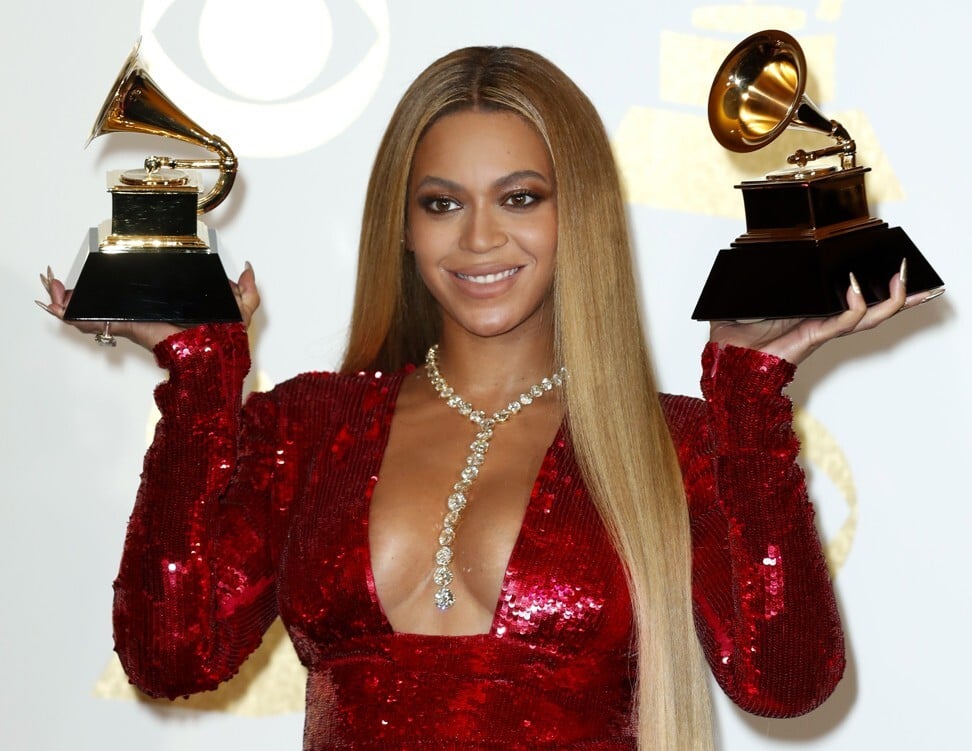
{"points": [[481, 142]]}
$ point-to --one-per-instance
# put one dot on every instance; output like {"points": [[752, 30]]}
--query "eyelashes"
{"points": [[443, 204], [438, 204]]}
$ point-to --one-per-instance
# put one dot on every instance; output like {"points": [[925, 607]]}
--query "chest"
{"points": [[561, 584]]}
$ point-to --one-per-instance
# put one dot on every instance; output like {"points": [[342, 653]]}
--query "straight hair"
{"points": [[614, 416]]}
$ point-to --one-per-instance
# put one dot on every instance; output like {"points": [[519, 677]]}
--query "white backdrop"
{"points": [[303, 101]]}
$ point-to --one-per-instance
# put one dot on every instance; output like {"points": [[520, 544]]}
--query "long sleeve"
{"points": [[196, 591], [764, 605]]}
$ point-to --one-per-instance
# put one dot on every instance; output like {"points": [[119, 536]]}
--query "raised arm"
{"points": [[764, 605], [195, 591]]}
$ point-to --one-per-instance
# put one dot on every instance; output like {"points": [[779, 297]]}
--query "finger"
{"points": [[896, 302], [248, 277], [249, 297], [846, 322], [45, 306], [921, 298]]}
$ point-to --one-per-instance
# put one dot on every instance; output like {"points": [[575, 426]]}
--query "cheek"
{"points": [[541, 239]]}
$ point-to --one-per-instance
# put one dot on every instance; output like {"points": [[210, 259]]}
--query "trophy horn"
{"points": [[759, 91], [136, 104]]}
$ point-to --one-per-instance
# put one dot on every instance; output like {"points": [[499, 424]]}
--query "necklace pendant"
{"points": [[445, 598]]}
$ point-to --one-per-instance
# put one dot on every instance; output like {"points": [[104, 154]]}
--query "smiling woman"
{"points": [[482, 223], [608, 524]]}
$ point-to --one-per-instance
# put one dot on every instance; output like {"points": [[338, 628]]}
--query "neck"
{"points": [[489, 371]]}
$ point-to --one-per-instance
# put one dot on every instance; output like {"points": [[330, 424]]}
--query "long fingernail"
{"points": [[50, 275], [903, 274], [854, 285], [247, 266], [46, 282], [46, 307], [932, 295]]}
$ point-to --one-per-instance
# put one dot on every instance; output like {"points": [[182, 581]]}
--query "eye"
{"points": [[521, 199], [340, 29], [439, 204], [291, 97]]}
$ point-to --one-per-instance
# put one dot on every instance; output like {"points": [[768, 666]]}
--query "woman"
{"points": [[558, 613]]}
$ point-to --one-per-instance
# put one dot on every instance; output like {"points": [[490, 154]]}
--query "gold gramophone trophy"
{"points": [[807, 227], [154, 261]]}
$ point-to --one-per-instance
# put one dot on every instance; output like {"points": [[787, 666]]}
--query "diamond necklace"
{"points": [[442, 575]]}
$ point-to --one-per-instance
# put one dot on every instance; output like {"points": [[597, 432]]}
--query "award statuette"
{"points": [[154, 261], [807, 227]]}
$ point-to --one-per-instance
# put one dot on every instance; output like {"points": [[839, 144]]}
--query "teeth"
{"points": [[488, 278]]}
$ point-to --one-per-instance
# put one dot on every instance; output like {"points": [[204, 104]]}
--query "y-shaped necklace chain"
{"points": [[442, 575]]}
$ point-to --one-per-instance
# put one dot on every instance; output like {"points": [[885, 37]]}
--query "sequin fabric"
{"points": [[244, 514]]}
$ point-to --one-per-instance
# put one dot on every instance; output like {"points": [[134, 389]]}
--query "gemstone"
{"points": [[457, 502], [442, 576], [447, 536], [444, 599], [526, 400], [536, 390], [443, 556], [451, 519], [470, 473]]}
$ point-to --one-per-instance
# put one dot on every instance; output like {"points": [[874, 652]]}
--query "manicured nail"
{"points": [[854, 285], [903, 274], [247, 266], [50, 275], [932, 295], [46, 307], [46, 282]]}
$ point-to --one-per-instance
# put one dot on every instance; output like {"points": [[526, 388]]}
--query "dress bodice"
{"points": [[561, 630]]}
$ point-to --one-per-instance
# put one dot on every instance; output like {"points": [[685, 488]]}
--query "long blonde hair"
{"points": [[616, 423]]}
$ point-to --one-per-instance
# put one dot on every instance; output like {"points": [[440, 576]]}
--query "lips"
{"points": [[490, 278]]}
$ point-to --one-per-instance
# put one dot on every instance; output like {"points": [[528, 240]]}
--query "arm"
{"points": [[764, 605], [195, 591]]}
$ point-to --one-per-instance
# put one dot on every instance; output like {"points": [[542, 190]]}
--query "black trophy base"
{"points": [[809, 278], [178, 287]]}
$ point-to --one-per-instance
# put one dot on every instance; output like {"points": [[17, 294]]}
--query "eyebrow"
{"points": [[513, 177]]}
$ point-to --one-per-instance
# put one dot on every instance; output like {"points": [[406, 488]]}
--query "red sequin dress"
{"points": [[244, 514]]}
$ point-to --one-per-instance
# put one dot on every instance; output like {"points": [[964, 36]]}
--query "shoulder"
{"points": [[318, 395], [685, 415]]}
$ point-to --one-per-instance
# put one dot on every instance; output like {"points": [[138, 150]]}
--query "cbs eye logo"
{"points": [[272, 79]]}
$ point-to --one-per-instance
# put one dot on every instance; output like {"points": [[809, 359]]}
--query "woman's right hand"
{"points": [[144, 333]]}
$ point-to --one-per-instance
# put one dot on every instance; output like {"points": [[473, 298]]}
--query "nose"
{"points": [[482, 230]]}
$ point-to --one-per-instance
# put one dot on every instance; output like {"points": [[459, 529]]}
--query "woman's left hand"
{"points": [[795, 339]]}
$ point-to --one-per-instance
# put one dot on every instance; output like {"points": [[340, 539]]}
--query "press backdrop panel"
{"points": [[302, 90]]}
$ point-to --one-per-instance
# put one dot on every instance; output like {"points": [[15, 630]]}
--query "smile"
{"points": [[489, 278]]}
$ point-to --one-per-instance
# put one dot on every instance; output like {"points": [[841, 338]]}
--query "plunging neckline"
{"points": [[363, 527]]}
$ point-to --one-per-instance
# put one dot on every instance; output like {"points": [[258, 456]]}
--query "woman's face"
{"points": [[482, 221]]}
